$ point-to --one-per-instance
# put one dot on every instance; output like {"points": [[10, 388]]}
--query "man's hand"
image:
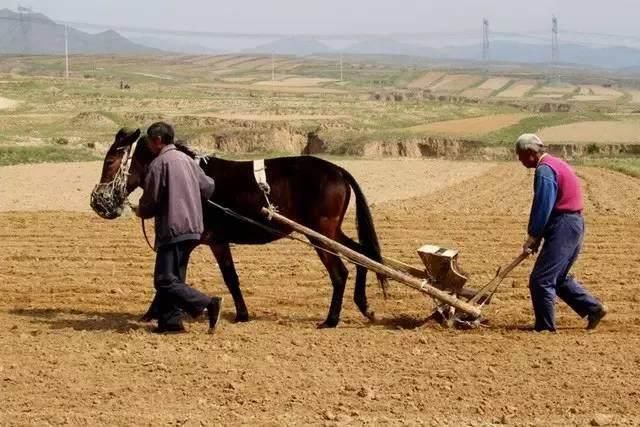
{"points": [[531, 245]]}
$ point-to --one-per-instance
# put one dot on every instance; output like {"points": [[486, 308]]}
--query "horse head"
{"points": [[109, 195], [124, 169]]}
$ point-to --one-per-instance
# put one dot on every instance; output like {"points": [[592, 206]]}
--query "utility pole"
{"points": [[555, 48], [485, 40], [341, 73], [66, 52], [273, 68]]}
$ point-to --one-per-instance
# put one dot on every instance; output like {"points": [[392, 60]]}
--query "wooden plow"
{"points": [[441, 279]]}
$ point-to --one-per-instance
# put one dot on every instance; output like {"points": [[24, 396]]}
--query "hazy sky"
{"points": [[347, 16]]}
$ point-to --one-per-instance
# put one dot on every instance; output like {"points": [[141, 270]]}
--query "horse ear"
{"points": [[126, 137]]}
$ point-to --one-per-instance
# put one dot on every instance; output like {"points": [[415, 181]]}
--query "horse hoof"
{"points": [[371, 316], [327, 325]]}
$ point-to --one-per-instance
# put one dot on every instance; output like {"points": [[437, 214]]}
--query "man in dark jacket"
{"points": [[174, 190]]}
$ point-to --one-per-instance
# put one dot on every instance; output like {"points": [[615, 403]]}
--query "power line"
{"points": [[36, 18]]}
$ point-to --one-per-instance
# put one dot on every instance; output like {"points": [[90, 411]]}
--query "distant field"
{"points": [[471, 127], [560, 88], [277, 87], [455, 82], [6, 104], [487, 88], [426, 80], [548, 95], [44, 154], [635, 96], [237, 79], [281, 65], [518, 89], [592, 98], [296, 82], [210, 60], [623, 132], [597, 93], [228, 103]]}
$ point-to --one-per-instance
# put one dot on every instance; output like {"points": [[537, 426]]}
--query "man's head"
{"points": [[159, 135], [529, 148]]}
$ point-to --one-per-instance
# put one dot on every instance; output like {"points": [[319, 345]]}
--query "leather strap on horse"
{"points": [[260, 175]]}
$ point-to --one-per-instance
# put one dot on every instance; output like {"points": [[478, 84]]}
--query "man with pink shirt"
{"points": [[556, 217]]}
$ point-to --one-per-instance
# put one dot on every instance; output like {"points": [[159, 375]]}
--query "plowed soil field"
{"points": [[72, 351]]}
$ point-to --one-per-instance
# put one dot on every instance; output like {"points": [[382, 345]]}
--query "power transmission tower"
{"points": [[25, 27], [485, 40], [555, 47]]}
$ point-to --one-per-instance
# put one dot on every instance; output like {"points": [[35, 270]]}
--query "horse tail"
{"points": [[367, 236]]}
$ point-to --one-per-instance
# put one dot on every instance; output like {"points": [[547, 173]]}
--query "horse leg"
{"points": [[222, 253], [338, 274], [360, 292]]}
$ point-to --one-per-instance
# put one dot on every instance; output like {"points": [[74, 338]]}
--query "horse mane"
{"points": [[143, 151], [184, 148]]}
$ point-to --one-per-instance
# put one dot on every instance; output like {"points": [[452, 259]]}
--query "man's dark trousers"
{"points": [[173, 295], [550, 276]]}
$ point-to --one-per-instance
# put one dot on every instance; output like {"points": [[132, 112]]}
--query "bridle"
{"points": [[109, 196]]}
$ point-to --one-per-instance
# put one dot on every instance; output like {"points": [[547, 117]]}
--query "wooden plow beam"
{"points": [[419, 284]]}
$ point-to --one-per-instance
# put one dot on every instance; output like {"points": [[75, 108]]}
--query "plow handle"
{"points": [[504, 272]]}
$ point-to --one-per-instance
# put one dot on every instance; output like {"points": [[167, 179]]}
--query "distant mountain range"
{"points": [[174, 45], [614, 57], [34, 33], [292, 46]]}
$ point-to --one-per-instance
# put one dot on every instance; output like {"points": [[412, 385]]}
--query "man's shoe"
{"points": [[595, 318], [169, 329], [213, 312]]}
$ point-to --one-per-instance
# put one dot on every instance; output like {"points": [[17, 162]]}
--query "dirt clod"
{"points": [[599, 420]]}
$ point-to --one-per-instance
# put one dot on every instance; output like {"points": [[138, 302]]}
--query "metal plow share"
{"points": [[441, 279]]}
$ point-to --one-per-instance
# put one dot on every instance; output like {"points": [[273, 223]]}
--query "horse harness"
{"points": [[260, 175], [114, 191]]}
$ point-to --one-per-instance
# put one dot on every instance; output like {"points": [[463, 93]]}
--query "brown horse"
{"points": [[308, 190]]}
